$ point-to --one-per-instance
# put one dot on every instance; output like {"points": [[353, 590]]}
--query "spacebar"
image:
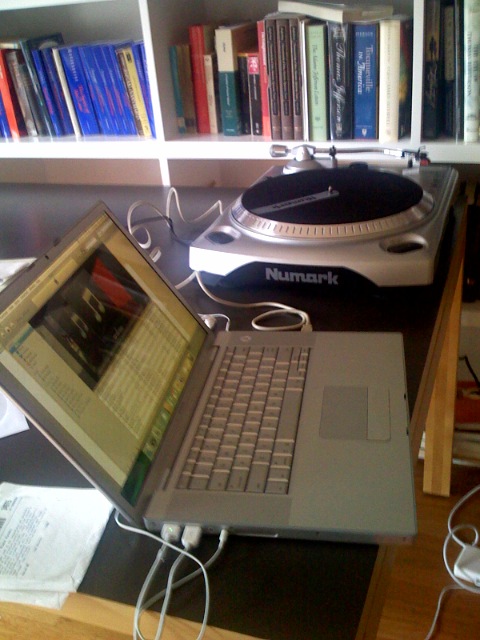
{"points": [[287, 426]]}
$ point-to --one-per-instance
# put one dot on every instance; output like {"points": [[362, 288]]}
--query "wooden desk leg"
{"points": [[440, 422]]}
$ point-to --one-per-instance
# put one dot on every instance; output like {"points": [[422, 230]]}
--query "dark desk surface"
{"points": [[294, 589]]}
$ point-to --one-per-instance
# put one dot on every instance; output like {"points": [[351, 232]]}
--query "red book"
{"points": [[202, 41], [10, 100], [262, 59]]}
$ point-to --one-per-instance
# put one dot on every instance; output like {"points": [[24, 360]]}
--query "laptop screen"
{"points": [[106, 346]]}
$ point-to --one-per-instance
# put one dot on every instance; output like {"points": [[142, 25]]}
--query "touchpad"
{"points": [[344, 413], [355, 413]]}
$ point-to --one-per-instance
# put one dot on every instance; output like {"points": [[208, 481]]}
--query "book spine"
{"points": [[433, 74], [211, 77], [201, 38], [296, 70], [365, 84], [10, 100], [394, 109], [186, 85], [262, 54], [244, 92], [273, 81], [37, 102], [285, 77], [174, 55], [123, 107], [79, 91], [405, 78], [4, 126], [254, 94], [317, 81], [140, 58], [62, 78], [21, 82], [98, 96], [47, 92], [303, 74], [340, 76], [56, 90], [471, 69], [134, 90], [109, 87], [448, 21]]}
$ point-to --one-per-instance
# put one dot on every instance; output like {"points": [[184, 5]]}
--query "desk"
{"points": [[316, 595]]}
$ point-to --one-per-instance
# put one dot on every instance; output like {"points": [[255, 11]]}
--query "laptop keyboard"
{"points": [[246, 438]]}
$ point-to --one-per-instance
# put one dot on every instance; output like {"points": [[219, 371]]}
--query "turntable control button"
{"points": [[405, 247], [219, 237]]}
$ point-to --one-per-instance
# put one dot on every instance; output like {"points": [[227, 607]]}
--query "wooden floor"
{"points": [[411, 599], [419, 573]]}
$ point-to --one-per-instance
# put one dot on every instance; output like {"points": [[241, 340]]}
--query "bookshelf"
{"points": [[172, 158]]}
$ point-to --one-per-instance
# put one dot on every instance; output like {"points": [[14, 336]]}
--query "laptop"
{"points": [[107, 359]]}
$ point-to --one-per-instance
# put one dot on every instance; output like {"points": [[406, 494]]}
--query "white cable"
{"points": [[278, 308], [452, 535], [185, 553]]}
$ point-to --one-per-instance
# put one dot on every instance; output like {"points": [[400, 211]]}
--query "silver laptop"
{"points": [[288, 434]]}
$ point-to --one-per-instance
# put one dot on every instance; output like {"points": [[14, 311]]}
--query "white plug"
{"points": [[467, 566]]}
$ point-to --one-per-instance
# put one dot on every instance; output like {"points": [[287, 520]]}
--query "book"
{"points": [[244, 92], [471, 70], [302, 37], [211, 78], [340, 60], [4, 126], [365, 82], [337, 12], [297, 57], [262, 61], [100, 92], [10, 99], [23, 88], [181, 72], [433, 96], [47, 92], [459, 69], [254, 94], [131, 80], [395, 78], [140, 58], [37, 100], [66, 93], [107, 61], [202, 41], [285, 75], [79, 91], [230, 40], [449, 67], [317, 80], [57, 91], [273, 78]]}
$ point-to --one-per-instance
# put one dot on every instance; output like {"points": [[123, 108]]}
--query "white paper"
{"points": [[8, 268], [47, 539], [12, 419]]}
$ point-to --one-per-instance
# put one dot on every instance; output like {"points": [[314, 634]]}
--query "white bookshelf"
{"points": [[177, 159]]}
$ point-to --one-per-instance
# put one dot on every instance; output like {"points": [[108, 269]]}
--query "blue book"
{"points": [[47, 92], [57, 91], [122, 101], [4, 126], [79, 91], [100, 93], [365, 81], [138, 49]]}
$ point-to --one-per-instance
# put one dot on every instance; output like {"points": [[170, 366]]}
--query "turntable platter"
{"points": [[340, 202]]}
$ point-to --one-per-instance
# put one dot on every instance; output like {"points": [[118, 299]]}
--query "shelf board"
{"points": [[93, 147], [37, 4]]}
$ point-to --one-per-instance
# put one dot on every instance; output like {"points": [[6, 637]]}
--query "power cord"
{"points": [[183, 552], [462, 583], [304, 323]]}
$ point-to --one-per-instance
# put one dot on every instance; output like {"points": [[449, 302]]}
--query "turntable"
{"points": [[331, 226]]}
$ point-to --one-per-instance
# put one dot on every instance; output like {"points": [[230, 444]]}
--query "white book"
{"points": [[471, 69], [336, 11]]}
